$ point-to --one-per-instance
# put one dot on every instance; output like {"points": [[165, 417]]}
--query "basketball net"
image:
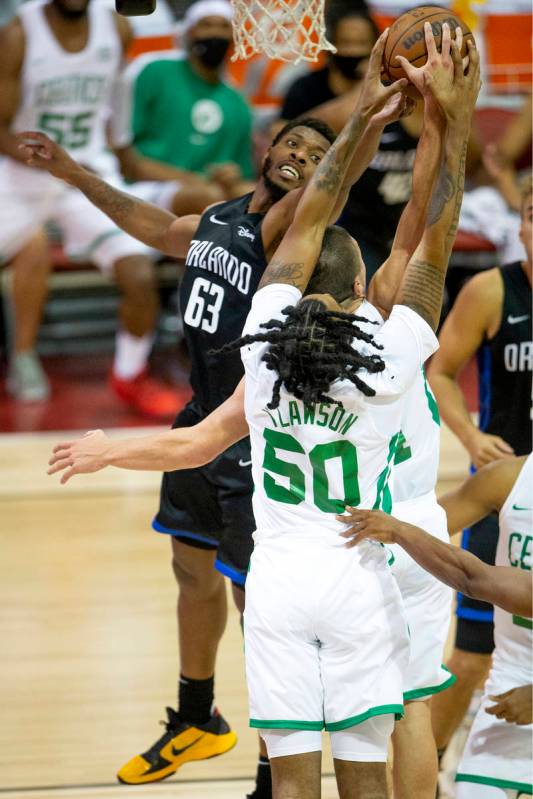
{"points": [[287, 30]]}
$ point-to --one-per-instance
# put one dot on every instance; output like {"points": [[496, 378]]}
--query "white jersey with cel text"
{"points": [[67, 95], [513, 635], [309, 462]]}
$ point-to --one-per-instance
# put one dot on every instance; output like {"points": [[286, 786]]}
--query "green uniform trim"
{"points": [[523, 787], [432, 402], [521, 622], [433, 689], [284, 724], [380, 710]]}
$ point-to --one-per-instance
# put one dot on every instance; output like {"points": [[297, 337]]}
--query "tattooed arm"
{"points": [[423, 284], [295, 258], [152, 225]]}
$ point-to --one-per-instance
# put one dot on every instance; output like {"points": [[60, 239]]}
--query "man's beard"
{"points": [[69, 13], [276, 192]]}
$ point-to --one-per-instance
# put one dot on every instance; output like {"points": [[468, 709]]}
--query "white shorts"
{"points": [[326, 643], [496, 752], [29, 199], [158, 192], [427, 602]]}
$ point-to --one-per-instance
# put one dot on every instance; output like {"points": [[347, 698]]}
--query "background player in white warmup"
{"points": [[496, 763], [58, 63]]}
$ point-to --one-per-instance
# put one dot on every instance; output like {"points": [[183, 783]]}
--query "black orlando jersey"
{"points": [[224, 265], [505, 366]]}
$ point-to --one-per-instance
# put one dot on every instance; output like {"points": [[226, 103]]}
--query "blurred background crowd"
{"points": [[187, 128]]}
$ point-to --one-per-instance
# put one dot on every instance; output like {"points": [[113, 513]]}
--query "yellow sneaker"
{"points": [[181, 743]]}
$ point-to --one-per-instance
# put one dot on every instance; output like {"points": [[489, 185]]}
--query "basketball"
{"points": [[406, 37]]}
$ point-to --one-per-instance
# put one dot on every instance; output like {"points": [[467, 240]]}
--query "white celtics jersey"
{"points": [[416, 461], [513, 635], [308, 462], [67, 95]]}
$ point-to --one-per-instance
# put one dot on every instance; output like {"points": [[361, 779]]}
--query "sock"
{"points": [[195, 699], [263, 780], [131, 354]]}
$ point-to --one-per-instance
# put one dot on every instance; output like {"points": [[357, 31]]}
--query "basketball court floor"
{"points": [[88, 634]]}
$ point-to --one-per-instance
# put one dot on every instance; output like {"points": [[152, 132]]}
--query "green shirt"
{"points": [[180, 119]]}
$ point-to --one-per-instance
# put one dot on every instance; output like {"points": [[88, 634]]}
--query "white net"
{"points": [[289, 30]]}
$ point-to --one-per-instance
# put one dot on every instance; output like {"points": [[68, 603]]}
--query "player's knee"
{"points": [[469, 667], [135, 277], [197, 580]]}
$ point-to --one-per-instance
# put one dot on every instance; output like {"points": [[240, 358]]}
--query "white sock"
{"points": [[131, 354]]}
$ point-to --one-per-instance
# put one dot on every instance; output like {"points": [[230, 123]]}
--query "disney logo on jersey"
{"points": [[216, 259], [244, 233]]}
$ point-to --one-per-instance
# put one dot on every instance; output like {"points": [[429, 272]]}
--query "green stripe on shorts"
{"points": [[380, 710], [285, 724], [433, 689], [520, 621], [522, 787]]}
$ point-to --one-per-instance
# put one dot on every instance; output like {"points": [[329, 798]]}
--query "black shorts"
{"points": [[475, 625], [211, 507]]}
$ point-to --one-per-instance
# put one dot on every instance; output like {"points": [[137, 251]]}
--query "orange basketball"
{"points": [[406, 37]]}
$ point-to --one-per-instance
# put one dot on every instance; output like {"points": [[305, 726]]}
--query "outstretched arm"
{"points": [[506, 587], [386, 281], [456, 93], [296, 256], [182, 448], [152, 225]]}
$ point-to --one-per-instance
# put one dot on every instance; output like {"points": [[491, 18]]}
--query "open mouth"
{"points": [[289, 171]]}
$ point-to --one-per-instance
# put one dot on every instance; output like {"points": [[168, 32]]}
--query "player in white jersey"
{"points": [[496, 762], [58, 63]]}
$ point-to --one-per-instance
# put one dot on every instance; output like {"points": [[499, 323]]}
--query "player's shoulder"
{"points": [[123, 28], [498, 478], [481, 295], [12, 42]]}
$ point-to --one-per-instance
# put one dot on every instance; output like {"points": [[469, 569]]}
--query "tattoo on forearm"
{"points": [[444, 191], [111, 201], [452, 230], [282, 272], [423, 289], [331, 170]]}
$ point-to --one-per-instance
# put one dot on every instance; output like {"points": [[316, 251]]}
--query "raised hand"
{"points": [[453, 82], [374, 95], [80, 456], [40, 151]]}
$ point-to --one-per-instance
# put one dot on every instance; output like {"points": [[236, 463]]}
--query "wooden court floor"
{"points": [[89, 657]]}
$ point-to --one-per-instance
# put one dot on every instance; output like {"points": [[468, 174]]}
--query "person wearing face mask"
{"points": [[375, 205], [182, 135]]}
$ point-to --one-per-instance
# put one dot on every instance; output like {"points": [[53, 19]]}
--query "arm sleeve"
{"points": [[407, 341], [268, 303]]}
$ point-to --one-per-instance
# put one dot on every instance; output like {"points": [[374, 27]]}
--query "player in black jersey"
{"points": [[208, 511], [491, 318]]}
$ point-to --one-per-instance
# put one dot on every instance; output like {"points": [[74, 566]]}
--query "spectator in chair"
{"points": [[375, 204], [491, 318], [58, 62], [179, 129]]}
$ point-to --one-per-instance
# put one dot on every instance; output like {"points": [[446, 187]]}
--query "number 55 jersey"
{"points": [[67, 96]]}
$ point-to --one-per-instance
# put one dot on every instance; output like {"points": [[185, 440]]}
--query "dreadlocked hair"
{"points": [[310, 349]]}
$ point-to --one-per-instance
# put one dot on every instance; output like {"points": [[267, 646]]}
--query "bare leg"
{"points": [[202, 609], [296, 776], [140, 302], [362, 780], [449, 707], [414, 774], [31, 267]]}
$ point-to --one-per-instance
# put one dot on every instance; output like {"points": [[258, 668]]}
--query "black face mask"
{"points": [[348, 64], [211, 51]]}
